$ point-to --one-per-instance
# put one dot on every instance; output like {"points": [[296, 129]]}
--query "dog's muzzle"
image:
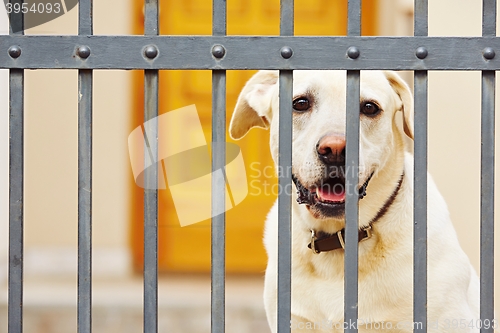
{"points": [[329, 191]]}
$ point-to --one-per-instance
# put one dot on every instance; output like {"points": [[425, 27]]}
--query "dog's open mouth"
{"points": [[328, 196], [332, 191]]}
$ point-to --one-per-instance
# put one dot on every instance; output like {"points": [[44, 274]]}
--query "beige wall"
{"points": [[454, 130], [51, 157], [454, 118]]}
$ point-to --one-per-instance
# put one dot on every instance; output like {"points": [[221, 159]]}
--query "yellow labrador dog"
{"points": [[385, 208]]}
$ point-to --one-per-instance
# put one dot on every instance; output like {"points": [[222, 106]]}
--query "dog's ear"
{"points": [[253, 108], [404, 93]]}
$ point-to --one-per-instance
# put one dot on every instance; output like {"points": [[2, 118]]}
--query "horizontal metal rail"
{"points": [[196, 52]]}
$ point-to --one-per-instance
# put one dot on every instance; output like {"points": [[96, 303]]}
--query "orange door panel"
{"points": [[187, 249]]}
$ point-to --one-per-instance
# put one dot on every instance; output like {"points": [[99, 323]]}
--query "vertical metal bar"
{"points": [[420, 204], [351, 205], [285, 178], [218, 270], [16, 200], [487, 198], [85, 180], [284, 201], [85, 24], [85, 201], [286, 18], [151, 204], [487, 178], [352, 175], [421, 15], [420, 182], [219, 16], [16, 185], [354, 18], [151, 81]]}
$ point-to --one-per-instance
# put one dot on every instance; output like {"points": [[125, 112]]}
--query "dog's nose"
{"points": [[331, 149]]}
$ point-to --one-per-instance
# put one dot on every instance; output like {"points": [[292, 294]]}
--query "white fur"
{"points": [[386, 259]]}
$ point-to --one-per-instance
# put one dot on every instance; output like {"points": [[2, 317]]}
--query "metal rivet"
{"points": [[353, 52], [421, 52], [83, 52], [286, 52], [488, 53], [151, 51], [218, 51], [15, 51]]}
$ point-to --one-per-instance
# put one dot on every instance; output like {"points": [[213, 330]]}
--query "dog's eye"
{"points": [[301, 104], [369, 109]]}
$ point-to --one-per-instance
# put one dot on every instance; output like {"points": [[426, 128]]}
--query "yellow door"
{"points": [[187, 249]]}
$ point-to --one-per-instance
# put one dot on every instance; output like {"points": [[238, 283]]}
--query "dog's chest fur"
{"points": [[383, 292]]}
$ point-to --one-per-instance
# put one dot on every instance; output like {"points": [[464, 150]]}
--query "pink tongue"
{"points": [[336, 194]]}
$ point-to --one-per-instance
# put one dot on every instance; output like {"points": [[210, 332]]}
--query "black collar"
{"points": [[322, 242]]}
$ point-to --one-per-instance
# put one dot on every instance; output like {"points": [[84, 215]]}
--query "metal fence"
{"points": [[219, 53]]}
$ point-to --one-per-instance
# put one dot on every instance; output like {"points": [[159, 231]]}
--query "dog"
{"points": [[385, 208]]}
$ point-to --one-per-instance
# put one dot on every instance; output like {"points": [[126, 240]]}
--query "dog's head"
{"points": [[319, 116]]}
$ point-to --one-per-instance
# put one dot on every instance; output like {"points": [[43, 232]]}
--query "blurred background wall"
{"points": [[51, 157], [51, 134]]}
